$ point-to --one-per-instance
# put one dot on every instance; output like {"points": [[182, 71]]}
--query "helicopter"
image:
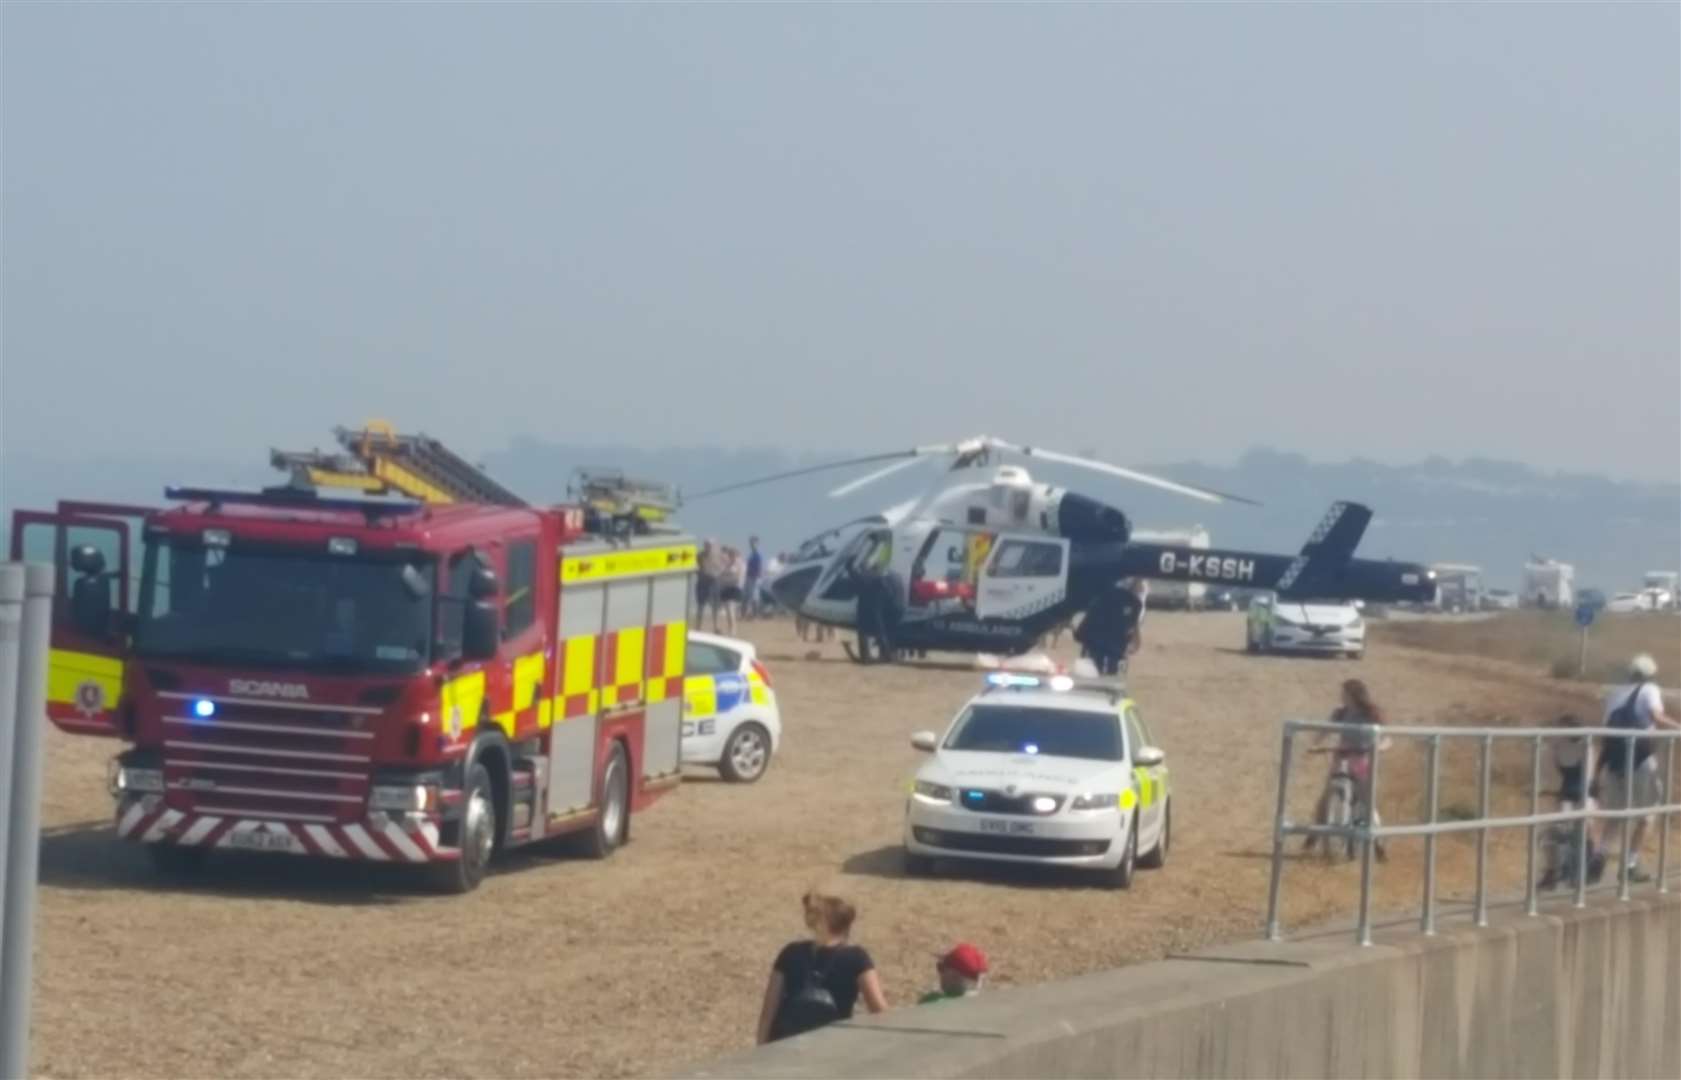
{"points": [[992, 564]]}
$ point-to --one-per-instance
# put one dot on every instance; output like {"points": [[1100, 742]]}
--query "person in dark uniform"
{"points": [[1107, 632], [874, 610]]}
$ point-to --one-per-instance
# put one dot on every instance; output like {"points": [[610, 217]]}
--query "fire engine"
{"points": [[429, 671]]}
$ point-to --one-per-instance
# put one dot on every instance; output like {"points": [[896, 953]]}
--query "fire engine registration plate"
{"points": [[264, 841]]}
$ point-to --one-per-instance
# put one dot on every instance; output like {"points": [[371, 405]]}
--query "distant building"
{"points": [[1548, 583], [1459, 586]]}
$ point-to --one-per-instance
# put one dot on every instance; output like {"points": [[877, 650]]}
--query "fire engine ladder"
{"points": [[379, 461], [630, 504]]}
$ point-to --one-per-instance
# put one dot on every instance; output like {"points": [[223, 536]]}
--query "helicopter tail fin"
{"points": [[1327, 551]]}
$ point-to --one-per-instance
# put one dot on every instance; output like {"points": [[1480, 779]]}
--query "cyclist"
{"points": [[1351, 757]]}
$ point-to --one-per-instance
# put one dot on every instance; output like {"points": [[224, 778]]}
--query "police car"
{"points": [[730, 718], [1322, 626], [1042, 769]]}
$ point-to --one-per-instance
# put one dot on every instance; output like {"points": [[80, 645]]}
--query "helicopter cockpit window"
{"points": [[824, 545], [869, 551], [818, 547], [1027, 558]]}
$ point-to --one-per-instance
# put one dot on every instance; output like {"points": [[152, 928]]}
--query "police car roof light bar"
{"points": [[1010, 680]]}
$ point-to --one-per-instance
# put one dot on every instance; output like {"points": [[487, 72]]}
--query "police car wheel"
{"points": [[1121, 876], [1158, 854], [918, 865], [174, 860], [746, 755], [476, 833], [611, 826]]}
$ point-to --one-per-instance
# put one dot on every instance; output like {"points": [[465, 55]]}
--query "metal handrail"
{"points": [[1368, 835]]}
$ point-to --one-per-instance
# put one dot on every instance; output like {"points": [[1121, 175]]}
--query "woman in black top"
{"points": [[819, 981]]}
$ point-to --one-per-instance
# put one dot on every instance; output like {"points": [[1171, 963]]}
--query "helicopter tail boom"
{"points": [[1325, 568]]}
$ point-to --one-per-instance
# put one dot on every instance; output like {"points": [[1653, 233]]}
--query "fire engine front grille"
{"points": [[262, 760]]}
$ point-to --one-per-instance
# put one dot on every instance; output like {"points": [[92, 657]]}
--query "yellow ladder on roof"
{"points": [[380, 461]]}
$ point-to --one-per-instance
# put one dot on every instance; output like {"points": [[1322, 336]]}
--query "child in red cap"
{"points": [[961, 971]]}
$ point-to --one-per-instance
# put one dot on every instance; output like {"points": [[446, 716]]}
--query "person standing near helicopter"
{"points": [[1109, 631], [879, 601]]}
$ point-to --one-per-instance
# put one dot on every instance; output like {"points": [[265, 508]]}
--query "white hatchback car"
{"points": [[730, 717], [1320, 626], [1042, 769]]}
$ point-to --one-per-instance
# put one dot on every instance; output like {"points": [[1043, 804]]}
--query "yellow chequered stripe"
{"points": [[578, 695], [460, 701], [700, 697], [528, 678], [628, 651]]}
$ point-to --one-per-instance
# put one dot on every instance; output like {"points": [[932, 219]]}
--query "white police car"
{"points": [[1322, 626], [730, 718], [1042, 769]]}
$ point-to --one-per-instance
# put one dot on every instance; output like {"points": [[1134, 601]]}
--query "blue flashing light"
{"points": [[1010, 678], [204, 708], [1030, 748]]}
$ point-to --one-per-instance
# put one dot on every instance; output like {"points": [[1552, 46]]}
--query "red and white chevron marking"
{"points": [[374, 841]]}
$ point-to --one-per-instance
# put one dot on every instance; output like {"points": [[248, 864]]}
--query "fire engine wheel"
{"points": [[747, 754], [609, 831], [478, 836]]}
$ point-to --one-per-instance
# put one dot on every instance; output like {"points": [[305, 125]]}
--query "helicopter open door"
{"points": [[1024, 576], [835, 595]]}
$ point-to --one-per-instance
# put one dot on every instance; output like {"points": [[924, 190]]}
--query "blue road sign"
{"points": [[1585, 614]]}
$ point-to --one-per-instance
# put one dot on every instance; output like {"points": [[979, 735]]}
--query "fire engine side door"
{"points": [[1024, 576], [133, 521], [92, 604], [525, 645]]}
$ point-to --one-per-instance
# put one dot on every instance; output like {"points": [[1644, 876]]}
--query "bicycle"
{"points": [[1344, 803]]}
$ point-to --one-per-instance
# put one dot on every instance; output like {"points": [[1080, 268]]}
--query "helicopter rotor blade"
{"points": [[868, 459], [853, 485], [1188, 490]]}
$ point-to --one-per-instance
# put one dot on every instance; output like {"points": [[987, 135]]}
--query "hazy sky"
{"points": [[1165, 232]]}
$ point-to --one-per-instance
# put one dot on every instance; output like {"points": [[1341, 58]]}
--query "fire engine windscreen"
{"points": [[281, 607]]}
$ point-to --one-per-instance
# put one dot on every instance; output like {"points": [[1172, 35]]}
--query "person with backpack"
{"points": [[1628, 765], [818, 981]]}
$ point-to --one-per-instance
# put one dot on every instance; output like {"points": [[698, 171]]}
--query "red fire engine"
{"points": [[421, 680]]}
